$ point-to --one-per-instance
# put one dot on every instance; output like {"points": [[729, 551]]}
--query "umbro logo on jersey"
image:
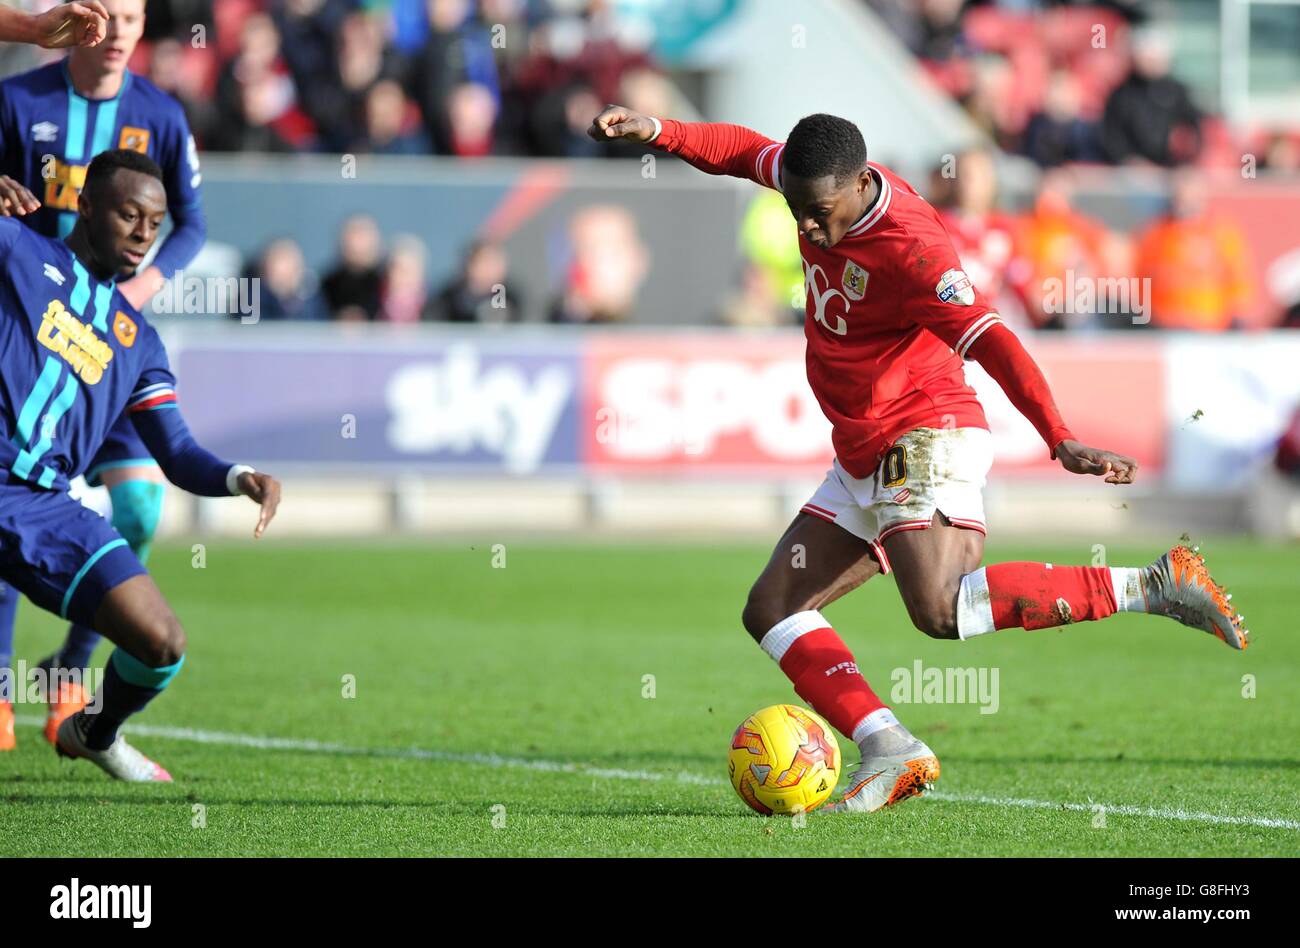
{"points": [[53, 273], [45, 132]]}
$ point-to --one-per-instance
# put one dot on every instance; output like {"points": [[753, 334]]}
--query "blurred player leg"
{"points": [[8, 612]]}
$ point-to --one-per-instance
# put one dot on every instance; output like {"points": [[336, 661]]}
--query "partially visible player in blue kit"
{"points": [[53, 121], [74, 356]]}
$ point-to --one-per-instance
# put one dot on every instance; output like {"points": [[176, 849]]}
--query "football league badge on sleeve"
{"points": [[855, 281], [955, 287]]}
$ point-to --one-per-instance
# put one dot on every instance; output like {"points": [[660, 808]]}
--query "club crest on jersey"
{"points": [[124, 329], [45, 132], [855, 281], [955, 287], [134, 139]]}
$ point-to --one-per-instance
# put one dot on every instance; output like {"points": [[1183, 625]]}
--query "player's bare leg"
{"points": [[813, 564], [151, 647]]}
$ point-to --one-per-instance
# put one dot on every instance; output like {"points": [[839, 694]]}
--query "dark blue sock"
{"points": [[128, 686]]}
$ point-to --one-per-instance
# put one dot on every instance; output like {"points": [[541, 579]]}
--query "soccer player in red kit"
{"points": [[890, 317]]}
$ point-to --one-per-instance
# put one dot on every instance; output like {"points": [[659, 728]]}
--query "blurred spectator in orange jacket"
{"points": [[1063, 252], [1198, 264]]}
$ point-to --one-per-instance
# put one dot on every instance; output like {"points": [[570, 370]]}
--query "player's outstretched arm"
{"points": [[191, 467], [712, 147], [69, 24]]}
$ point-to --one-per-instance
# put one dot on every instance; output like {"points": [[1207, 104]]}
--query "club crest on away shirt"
{"points": [[955, 287], [855, 281]]}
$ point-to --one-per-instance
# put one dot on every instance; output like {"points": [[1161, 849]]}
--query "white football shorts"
{"points": [[925, 470]]}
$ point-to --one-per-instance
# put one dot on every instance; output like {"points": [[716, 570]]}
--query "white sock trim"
{"points": [[1127, 584], [974, 606], [781, 636], [877, 720]]}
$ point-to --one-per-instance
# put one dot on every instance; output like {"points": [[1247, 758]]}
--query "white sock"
{"points": [[778, 639], [974, 606], [877, 720], [1127, 583]]}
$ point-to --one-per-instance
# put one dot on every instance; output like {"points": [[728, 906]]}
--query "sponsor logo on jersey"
{"points": [[955, 287], [45, 132], [819, 298], [76, 342], [53, 273], [134, 139], [63, 185], [855, 281], [124, 329]]}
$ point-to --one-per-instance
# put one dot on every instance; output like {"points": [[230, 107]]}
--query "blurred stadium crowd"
{"points": [[469, 78]]}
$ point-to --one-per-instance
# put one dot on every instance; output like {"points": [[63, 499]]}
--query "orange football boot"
{"points": [[69, 699], [7, 742], [1179, 585]]}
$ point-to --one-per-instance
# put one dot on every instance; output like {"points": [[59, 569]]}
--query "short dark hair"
{"points": [[108, 163], [824, 144]]}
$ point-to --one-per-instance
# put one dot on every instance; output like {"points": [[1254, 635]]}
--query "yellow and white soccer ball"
{"points": [[784, 759]]}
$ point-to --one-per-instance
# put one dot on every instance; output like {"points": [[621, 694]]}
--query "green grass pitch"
{"points": [[502, 711]]}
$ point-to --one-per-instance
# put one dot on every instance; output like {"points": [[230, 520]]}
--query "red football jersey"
{"points": [[890, 313]]}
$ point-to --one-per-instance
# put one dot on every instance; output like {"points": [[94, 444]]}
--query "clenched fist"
{"points": [[620, 122]]}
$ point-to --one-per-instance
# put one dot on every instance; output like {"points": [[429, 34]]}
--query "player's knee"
{"points": [[164, 642], [936, 618], [762, 611], [137, 507]]}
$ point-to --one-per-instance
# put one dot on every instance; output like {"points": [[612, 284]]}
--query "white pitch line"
{"points": [[302, 745]]}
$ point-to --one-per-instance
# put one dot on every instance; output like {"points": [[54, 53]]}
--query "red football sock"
{"points": [[1040, 595], [824, 674]]}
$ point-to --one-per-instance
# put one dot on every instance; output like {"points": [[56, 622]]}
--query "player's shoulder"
{"points": [[39, 81], [16, 238], [912, 224], [163, 105]]}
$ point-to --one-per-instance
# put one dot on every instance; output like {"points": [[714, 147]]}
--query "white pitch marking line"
{"points": [[617, 773]]}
